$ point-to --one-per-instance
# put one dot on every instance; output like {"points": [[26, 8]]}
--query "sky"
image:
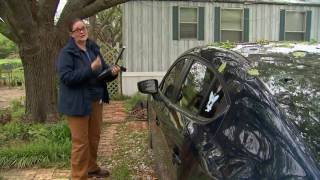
{"points": [[59, 9]]}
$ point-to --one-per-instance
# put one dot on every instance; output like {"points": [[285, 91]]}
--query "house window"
{"points": [[188, 23], [295, 26], [232, 25]]}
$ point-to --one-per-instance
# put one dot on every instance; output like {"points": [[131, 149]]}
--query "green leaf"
{"points": [[253, 72], [222, 67], [299, 54]]}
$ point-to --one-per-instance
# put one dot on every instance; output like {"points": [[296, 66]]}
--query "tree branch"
{"points": [[5, 30], [2, 9], [82, 9], [70, 8], [98, 6], [34, 8], [46, 13], [6, 27], [19, 18]]}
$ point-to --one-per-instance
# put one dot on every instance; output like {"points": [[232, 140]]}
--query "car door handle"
{"points": [[176, 159]]}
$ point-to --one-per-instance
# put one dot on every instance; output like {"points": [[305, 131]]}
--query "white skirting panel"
{"points": [[130, 80]]}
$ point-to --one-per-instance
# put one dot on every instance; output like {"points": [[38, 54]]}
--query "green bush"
{"points": [[225, 45], [17, 109], [26, 145], [133, 100], [313, 41], [32, 144], [39, 153], [6, 47], [19, 131], [13, 131], [10, 64], [11, 72]]}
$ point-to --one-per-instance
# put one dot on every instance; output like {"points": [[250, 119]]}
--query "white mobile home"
{"points": [[157, 32]]}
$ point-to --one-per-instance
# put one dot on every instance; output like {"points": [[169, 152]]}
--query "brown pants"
{"points": [[85, 133]]}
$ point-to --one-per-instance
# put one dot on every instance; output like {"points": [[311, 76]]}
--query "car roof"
{"points": [[236, 75]]}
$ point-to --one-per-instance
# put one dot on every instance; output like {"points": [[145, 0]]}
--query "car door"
{"points": [[163, 125], [187, 99], [197, 96], [168, 119]]}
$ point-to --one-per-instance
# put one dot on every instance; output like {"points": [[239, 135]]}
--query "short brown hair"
{"points": [[72, 22]]}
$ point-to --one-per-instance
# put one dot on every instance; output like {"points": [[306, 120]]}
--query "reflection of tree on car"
{"points": [[230, 127], [194, 87]]}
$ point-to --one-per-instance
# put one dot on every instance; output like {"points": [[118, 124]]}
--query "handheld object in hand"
{"points": [[108, 72]]}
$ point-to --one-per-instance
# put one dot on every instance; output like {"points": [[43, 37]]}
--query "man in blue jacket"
{"points": [[80, 98]]}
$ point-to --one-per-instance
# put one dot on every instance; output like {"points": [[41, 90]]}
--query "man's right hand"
{"points": [[96, 64]]}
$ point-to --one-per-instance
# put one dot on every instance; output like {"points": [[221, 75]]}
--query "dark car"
{"points": [[212, 118]]}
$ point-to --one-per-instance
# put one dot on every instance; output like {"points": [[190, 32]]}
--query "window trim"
{"points": [[242, 23], [179, 22], [183, 73], [305, 24]]}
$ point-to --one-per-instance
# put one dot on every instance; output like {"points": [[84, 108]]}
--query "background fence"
{"points": [[110, 54]]}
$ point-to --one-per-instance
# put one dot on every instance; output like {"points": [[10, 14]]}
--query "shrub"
{"points": [[10, 64], [17, 108], [11, 72], [39, 153], [133, 100], [225, 45], [25, 145], [6, 47]]}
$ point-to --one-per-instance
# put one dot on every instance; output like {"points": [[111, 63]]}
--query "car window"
{"points": [[201, 92], [170, 80], [194, 87], [215, 102]]}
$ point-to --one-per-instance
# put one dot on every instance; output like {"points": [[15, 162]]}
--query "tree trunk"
{"points": [[40, 83], [92, 28]]}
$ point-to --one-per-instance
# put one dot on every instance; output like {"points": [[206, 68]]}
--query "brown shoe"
{"points": [[101, 173]]}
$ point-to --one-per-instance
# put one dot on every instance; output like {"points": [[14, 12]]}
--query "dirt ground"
{"points": [[7, 94]]}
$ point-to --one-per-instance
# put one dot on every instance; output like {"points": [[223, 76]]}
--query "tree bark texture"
{"points": [[40, 82], [92, 28]]}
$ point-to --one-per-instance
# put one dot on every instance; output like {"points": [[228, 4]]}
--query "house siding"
{"points": [[148, 30], [148, 36]]}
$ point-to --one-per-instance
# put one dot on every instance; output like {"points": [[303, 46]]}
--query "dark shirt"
{"points": [[95, 88]]}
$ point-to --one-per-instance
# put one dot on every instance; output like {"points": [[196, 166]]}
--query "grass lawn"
{"points": [[8, 61]]}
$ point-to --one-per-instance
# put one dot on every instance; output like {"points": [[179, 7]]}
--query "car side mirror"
{"points": [[149, 86]]}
